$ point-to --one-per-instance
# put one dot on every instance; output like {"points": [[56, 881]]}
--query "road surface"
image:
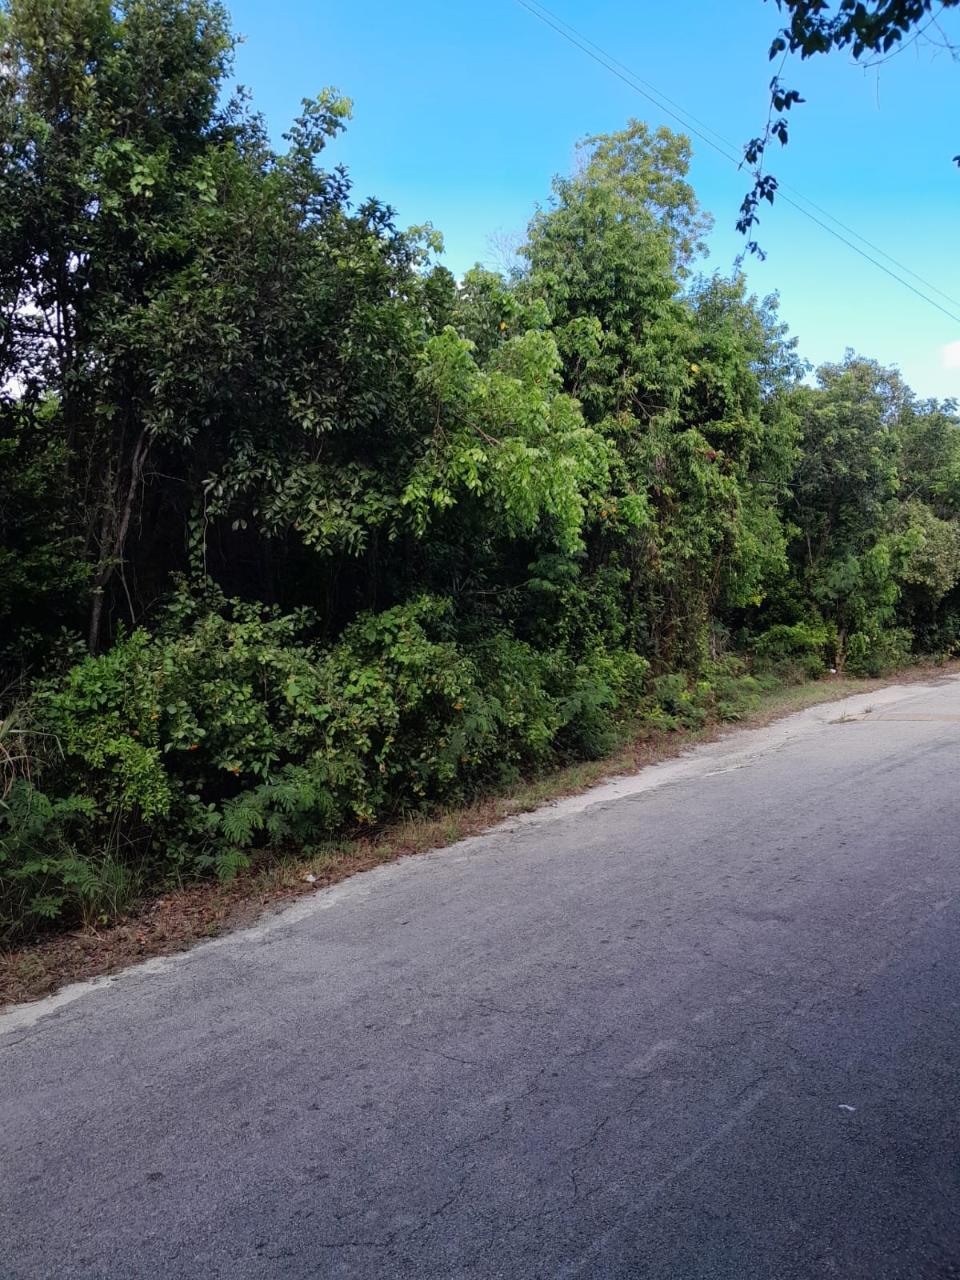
{"points": [[704, 1022]]}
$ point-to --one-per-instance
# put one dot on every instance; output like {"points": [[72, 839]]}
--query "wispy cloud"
{"points": [[951, 355]]}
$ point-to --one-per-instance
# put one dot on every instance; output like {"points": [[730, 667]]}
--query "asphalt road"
{"points": [[700, 1023]]}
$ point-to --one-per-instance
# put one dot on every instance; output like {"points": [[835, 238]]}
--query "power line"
{"points": [[735, 155], [631, 78], [723, 148], [856, 249], [611, 65]]}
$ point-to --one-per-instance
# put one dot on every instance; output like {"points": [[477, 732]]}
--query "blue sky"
{"points": [[464, 111]]}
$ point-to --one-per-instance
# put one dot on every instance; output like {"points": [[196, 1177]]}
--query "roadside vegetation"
{"points": [[299, 534], [176, 916]]}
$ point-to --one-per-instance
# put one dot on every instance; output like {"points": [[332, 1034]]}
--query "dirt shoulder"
{"points": [[180, 918]]}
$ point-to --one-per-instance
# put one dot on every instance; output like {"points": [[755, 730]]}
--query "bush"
{"points": [[594, 695], [42, 873], [730, 691], [723, 691], [877, 651], [674, 704], [230, 731], [802, 650], [237, 731]]}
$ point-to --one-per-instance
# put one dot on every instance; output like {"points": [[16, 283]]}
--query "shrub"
{"points": [[730, 692], [724, 690], [231, 731], [594, 696], [43, 875], [805, 648], [237, 731], [878, 650], [674, 704]]}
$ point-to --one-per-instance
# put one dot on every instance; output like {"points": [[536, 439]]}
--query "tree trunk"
{"points": [[112, 549]]}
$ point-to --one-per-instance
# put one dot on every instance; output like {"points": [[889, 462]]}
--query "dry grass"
{"points": [[181, 918]]}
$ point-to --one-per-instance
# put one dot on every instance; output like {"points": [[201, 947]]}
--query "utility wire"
{"points": [[630, 77], [725, 148], [732, 155]]}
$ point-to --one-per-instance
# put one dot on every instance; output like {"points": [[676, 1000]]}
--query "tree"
{"points": [[213, 342], [928, 524], [108, 119], [674, 381], [843, 500]]}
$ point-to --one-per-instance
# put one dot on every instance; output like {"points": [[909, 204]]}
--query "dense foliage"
{"points": [[297, 530]]}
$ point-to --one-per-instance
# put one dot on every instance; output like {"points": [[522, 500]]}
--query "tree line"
{"points": [[297, 530]]}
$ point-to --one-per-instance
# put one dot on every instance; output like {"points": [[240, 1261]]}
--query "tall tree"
{"points": [[672, 375], [108, 117], [214, 343]]}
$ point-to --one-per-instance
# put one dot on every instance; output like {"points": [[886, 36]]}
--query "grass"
{"points": [[176, 920]]}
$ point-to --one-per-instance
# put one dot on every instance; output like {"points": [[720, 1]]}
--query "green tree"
{"points": [[844, 492], [929, 524], [673, 373], [107, 118], [219, 348]]}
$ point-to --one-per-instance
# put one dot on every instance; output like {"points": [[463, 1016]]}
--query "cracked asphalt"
{"points": [[704, 1022]]}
